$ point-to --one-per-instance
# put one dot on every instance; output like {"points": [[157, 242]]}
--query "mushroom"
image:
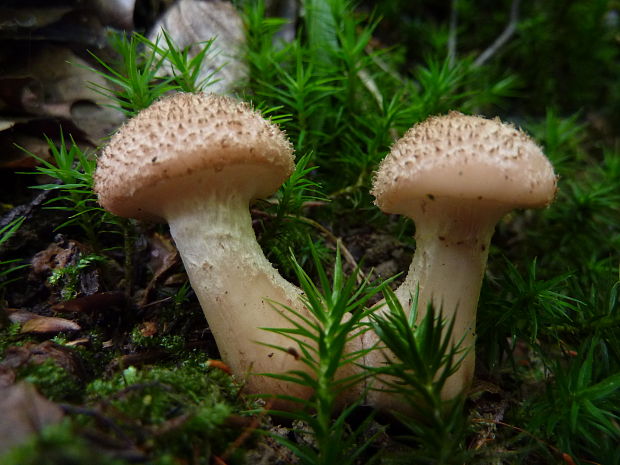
{"points": [[197, 161], [456, 176]]}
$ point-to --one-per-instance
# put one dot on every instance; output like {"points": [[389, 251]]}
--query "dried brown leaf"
{"points": [[148, 329], [54, 82], [163, 257], [54, 257], [17, 315], [94, 303], [16, 357], [24, 412], [49, 324]]}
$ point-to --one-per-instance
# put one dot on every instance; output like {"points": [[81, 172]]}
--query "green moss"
{"points": [[52, 380], [68, 277], [184, 407], [57, 445], [174, 343], [8, 336]]}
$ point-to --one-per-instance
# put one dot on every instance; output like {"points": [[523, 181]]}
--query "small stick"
{"points": [[503, 37], [332, 237], [348, 256], [454, 16]]}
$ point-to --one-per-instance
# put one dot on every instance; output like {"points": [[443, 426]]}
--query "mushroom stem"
{"points": [[234, 283], [452, 245]]}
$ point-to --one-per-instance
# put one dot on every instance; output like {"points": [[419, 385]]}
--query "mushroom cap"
{"points": [[186, 143], [464, 157]]}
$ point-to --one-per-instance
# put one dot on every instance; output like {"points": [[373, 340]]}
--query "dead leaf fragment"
{"points": [[17, 315], [6, 124], [24, 412], [148, 329], [62, 255], [164, 256], [176, 279], [55, 83], [16, 357], [162, 253], [49, 324], [83, 341], [54, 257], [94, 303]]}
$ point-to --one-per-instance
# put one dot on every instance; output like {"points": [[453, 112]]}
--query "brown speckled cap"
{"points": [[464, 157], [178, 138]]}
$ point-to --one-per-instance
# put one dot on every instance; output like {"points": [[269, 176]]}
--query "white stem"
{"points": [[234, 283], [452, 245]]}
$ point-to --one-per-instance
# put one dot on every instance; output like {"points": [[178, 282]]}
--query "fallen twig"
{"points": [[511, 27]]}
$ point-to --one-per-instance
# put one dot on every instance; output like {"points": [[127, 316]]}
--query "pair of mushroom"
{"points": [[198, 160]]}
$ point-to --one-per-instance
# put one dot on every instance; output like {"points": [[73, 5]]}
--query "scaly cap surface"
{"points": [[182, 135], [464, 157]]}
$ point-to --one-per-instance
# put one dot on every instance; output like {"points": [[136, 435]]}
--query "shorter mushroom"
{"points": [[456, 176]]}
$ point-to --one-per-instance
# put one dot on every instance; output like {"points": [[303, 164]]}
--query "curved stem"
{"points": [[235, 283], [452, 245]]}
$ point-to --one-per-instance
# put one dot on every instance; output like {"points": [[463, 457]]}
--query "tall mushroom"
{"points": [[456, 176], [197, 161]]}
